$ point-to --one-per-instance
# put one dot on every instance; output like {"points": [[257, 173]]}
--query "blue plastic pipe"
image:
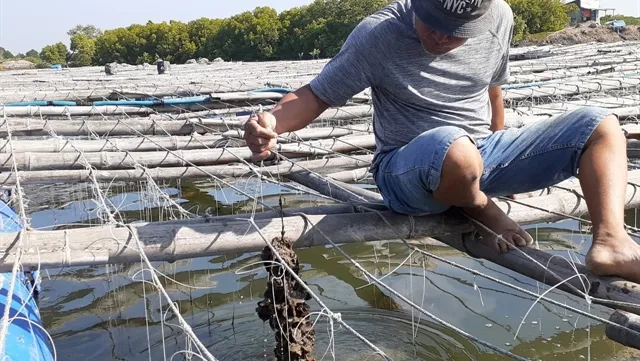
{"points": [[273, 90], [43, 103], [527, 85], [150, 103]]}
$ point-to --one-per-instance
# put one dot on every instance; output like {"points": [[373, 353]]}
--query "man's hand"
{"points": [[260, 135]]}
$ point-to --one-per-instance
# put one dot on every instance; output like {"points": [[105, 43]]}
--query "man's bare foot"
{"points": [[497, 221], [614, 255]]}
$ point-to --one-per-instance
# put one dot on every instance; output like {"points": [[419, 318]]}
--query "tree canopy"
{"points": [[89, 31], [315, 30], [54, 54], [33, 53], [5, 54], [539, 16]]}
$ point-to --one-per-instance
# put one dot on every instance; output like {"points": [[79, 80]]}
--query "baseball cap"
{"points": [[459, 18]]}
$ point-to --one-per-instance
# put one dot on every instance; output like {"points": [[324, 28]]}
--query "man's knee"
{"points": [[461, 173], [462, 163], [608, 130]]}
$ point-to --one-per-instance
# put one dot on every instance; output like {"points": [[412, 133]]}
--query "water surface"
{"points": [[108, 313]]}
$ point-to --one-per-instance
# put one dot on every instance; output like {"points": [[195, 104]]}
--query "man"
{"points": [[435, 68]]}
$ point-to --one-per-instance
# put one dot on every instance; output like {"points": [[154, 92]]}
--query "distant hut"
{"points": [[589, 10]]}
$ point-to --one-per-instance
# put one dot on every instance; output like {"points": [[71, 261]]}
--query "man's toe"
{"points": [[527, 237], [519, 241]]}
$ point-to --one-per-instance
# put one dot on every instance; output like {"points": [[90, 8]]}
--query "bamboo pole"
{"points": [[621, 112], [633, 147], [137, 144], [225, 93], [632, 131], [168, 241], [65, 111], [350, 176], [312, 133], [208, 113], [352, 112], [622, 336], [179, 158], [582, 86], [367, 111], [32, 127], [537, 68], [171, 164], [171, 173], [231, 124], [333, 188], [159, 143], [147, 126], [605, 288], [213, 98], [141, 126], [554, 75]]}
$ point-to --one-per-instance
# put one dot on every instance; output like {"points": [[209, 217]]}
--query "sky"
{"points": [[32, 24]]}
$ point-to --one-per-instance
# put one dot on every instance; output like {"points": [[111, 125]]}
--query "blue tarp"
{"points": [[25, 341]]}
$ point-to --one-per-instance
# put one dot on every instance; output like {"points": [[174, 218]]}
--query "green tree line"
{"points": [[6, 54], [315, 30]]}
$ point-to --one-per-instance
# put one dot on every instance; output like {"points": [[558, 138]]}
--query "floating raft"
{"points": [[82, 126]]}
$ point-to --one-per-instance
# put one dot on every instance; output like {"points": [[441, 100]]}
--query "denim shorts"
{"points": [[516, 160]]}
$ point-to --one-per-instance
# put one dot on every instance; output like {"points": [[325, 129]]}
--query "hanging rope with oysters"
{"points": [[284, 305]]}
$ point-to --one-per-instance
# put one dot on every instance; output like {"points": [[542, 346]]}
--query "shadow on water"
{"points": [[106, 313]]}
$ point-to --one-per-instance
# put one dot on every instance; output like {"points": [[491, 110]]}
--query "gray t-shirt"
{"points": [[413, 91]]}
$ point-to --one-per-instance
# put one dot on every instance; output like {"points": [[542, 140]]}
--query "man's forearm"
{"points": [[297, 109], [497, 108]]}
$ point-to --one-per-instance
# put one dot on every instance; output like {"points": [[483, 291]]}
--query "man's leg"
{"points": [[442, 168], [587, 143], [460, 187], [603, 177]]}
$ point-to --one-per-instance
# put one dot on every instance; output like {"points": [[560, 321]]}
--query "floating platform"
{"points": [[82, 126]]}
